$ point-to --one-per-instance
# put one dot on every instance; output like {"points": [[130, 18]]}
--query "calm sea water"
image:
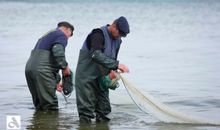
{"points": [[172, 52]]}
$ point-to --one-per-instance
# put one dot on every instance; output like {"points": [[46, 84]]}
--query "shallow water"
{"points": [[125, 115], [172, 52]]}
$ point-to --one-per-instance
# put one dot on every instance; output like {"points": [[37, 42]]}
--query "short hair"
{"points": [[67, 25]]}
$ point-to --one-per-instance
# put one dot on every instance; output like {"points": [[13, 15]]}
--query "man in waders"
{"points": [[98, 59], [42, 68]]}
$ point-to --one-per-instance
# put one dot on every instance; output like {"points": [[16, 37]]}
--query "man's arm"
{"points": [[104, 60], [96, 46], [58, 52]]}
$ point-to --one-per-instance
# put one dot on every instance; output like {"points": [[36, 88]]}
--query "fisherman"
{"points": [[98, 60], [42, 68]]}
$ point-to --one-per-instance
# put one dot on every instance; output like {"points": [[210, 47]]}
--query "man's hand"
{"points": [[123, 69], [112, 74], [59, 87], [66, 71]]}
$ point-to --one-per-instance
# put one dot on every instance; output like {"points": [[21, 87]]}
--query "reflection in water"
{"points": [[97, 126], [56, 120], [44, 120]]}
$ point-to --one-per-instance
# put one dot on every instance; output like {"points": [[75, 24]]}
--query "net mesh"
{"points": [[159, 110]]}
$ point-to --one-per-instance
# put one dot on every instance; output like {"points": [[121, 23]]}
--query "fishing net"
{"points": [[159, 110]]}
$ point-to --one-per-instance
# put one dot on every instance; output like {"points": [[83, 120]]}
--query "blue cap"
{"points": [[123, 26]]}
